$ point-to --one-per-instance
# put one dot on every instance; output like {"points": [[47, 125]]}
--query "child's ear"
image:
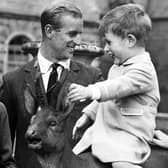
{"points": [[131, 40]]}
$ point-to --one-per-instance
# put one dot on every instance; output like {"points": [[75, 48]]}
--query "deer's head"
{"points": [[46, 130]]}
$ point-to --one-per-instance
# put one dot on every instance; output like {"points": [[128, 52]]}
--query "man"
{"points": [[61, 26]]}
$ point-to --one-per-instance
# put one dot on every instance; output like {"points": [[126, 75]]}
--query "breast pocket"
{"points": [[131, 111]]}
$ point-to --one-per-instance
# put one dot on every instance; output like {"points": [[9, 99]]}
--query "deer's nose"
{"points": [[30, 133]]}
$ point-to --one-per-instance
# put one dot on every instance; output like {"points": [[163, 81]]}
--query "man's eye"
{"points": [[73, 34]]}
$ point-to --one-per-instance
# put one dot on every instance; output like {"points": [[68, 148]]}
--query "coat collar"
{"points": [[31, 70], [32, 65], [74, 66], [143, 57]]}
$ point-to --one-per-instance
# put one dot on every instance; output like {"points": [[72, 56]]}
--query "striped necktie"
{"points": [[53, 75]]}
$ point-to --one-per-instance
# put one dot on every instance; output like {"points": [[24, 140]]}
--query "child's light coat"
{"points": [[125, 118]]}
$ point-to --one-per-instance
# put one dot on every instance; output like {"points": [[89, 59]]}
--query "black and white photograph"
{"points": [[83, 84]]}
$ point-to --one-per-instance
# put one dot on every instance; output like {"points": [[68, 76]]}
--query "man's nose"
{"points": [[106, 48], [77, 39]]}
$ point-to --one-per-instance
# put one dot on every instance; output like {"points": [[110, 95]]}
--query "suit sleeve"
{"points": [[6, 159], [6, 99]]}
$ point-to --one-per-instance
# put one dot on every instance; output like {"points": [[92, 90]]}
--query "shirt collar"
{"points": [[143, 56], [65, 63], [45, 64]]}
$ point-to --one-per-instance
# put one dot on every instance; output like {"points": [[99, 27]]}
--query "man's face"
{"points": [[64, 40], [115, 46]]}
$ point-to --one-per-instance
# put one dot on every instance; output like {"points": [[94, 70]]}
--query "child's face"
{"points": [[116, 47]]}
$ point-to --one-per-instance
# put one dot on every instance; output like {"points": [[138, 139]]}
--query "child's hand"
{"points": [[79, 93], [161, 139], [79, 124]]}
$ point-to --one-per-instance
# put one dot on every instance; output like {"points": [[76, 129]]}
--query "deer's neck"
{"points": [[71, 160], [64, 159], [51, 160]]}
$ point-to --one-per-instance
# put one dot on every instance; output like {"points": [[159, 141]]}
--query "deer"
{"points": [[46, 134]]}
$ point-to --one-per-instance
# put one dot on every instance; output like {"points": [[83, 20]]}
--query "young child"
{"points": [[125, 105]]}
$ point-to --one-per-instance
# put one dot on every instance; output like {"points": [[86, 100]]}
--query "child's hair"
{"points": [[127, 19], [115, 3]]}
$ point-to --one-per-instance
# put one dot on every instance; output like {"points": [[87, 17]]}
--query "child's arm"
{"points": [[89, 113], [81, 122], [91, 110], [139, 78], [160, 139], [81, 93]]}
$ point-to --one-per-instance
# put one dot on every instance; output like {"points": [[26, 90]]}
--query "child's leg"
{"points": [[124, 165]]}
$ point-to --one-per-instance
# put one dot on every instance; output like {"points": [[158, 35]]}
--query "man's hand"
{"points": [[81, 122], [161, 139], [79, 92]]}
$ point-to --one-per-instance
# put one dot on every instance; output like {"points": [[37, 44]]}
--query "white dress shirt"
{"points": [[46, 68]]}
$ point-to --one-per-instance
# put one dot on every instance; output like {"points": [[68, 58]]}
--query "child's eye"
{"points": [[53, 123], [107, 42]]}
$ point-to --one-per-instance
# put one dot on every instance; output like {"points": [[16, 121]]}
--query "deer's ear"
{"points": [[29, 101], [66, 112], [62, 102], [68, 109], [32, 118]]}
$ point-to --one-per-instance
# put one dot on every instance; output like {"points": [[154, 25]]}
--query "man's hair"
{"points": [[53, 13], [127, 19]]}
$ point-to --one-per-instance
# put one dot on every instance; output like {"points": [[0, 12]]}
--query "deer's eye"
{"points": [[53, 123]]}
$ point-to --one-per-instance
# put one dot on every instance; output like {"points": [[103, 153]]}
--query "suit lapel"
{"points": [[31, 71]]}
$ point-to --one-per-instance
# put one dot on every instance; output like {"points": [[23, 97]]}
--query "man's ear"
{"points": [[49, 31], [131, 40]]}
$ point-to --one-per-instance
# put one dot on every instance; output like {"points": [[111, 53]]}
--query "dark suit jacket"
{"points": [[6, 160], [12, 95]]}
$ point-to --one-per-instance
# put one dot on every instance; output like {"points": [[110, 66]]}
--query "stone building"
{"points": [[19, 23]]}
